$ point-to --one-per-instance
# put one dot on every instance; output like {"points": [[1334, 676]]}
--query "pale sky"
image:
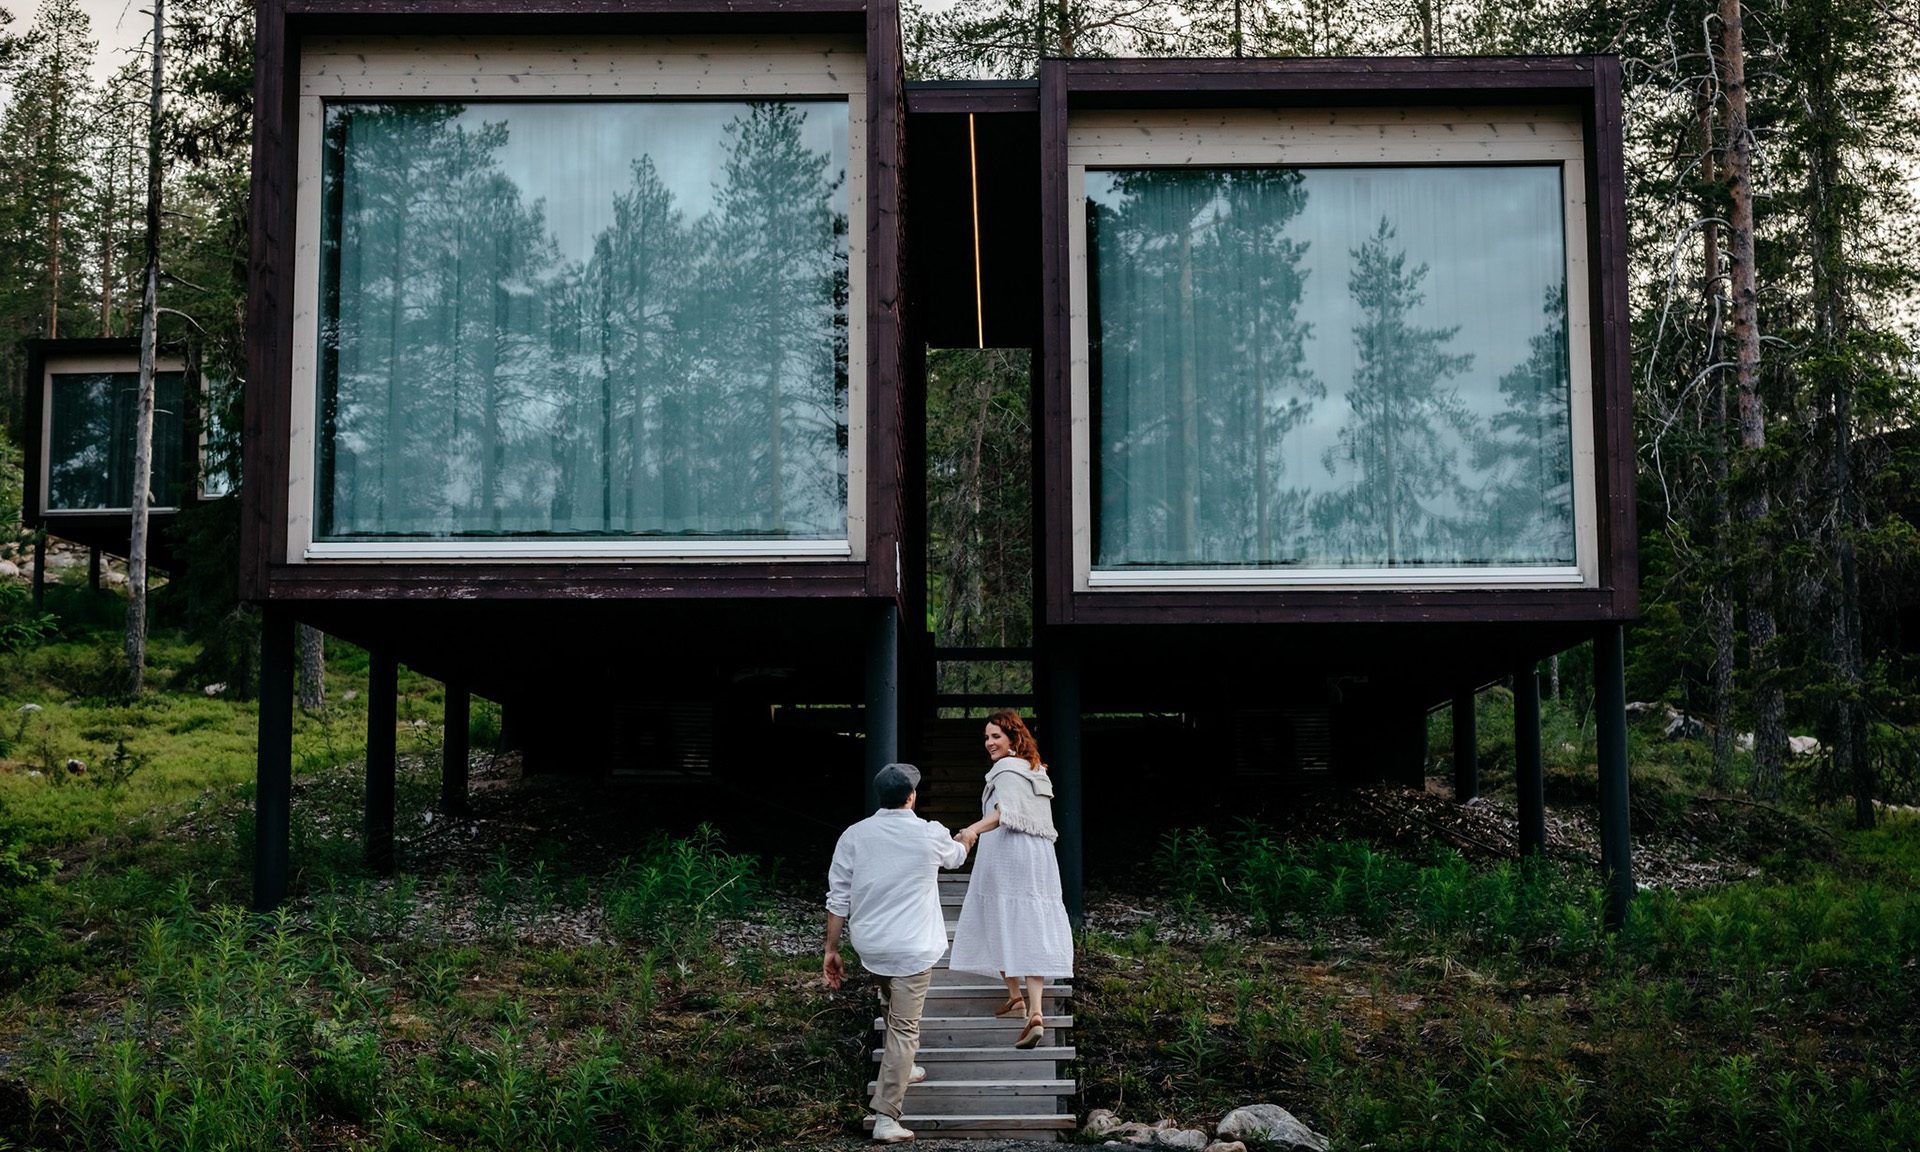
{"points": [[119, 26]]}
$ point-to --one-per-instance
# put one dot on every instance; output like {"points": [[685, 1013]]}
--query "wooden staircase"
{"points": [[978, 1085]]}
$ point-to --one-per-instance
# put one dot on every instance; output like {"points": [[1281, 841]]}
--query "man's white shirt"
{"points": [[885, 880]]}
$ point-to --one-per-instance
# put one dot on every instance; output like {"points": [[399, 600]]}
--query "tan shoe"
{"points": [[1033, 1033], [1014, 1007]]}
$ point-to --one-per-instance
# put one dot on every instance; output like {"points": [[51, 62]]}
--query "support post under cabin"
{"points": [[1061, 747], [383, 688], [39, 571], [93, 569], [454, 750], [1529, 784], [1466, 748], [273, 771], [882, 694], [1610, 725]]}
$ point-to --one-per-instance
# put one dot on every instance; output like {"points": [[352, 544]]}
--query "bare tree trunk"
{"points": [[312, 646], [149, 340], [1769, 703], [1553, 677], [106, 256], [1719, 606]]}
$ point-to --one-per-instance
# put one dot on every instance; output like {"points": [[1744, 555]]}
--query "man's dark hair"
{"points": [[894, 783]]}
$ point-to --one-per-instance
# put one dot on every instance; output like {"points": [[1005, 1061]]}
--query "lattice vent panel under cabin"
{"points": [[664, 742]]}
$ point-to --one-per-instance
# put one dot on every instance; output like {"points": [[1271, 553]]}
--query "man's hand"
{"points": [[967, 837], [834, 969]]}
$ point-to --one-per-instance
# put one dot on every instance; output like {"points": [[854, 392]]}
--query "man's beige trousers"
{"points": [[906, 996]]}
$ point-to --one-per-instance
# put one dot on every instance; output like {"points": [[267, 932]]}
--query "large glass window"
{"points": [[90, 444], [583, 319], [1336, 367]]}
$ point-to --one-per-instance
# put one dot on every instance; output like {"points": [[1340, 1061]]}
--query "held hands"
{"points": [[834, 969], [967, 837]]}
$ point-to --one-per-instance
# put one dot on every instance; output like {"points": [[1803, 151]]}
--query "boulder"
{"points": [[1190, 1139], [1681, 726], [1803, 745], [1271, 1124], [9, 570], [1100, 1122]]}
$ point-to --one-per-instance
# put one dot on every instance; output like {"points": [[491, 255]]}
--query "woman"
{"points": [[1013, 921]]}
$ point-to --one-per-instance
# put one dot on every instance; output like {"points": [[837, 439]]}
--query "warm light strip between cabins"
{"points": [[973, 172]]}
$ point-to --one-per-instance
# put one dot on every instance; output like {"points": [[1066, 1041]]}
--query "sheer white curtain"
{"points": [[1330, 367], [584, 318]]}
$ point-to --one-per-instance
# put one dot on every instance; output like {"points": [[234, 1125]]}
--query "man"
{"points": [[884, 883]]}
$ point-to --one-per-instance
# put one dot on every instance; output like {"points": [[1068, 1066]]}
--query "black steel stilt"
{"points": [[383, 687], [1466, 749], [454, 750], [1061, 747], [1610, 723], [39, 572], [93, 569], [1529, 784], [883, 694], [273, 772]]}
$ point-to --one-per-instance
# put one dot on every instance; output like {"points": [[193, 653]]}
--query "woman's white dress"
{"points": [[1014, 920]]}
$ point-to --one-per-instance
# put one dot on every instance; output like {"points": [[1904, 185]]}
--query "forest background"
{"points": [[1772, 150]]}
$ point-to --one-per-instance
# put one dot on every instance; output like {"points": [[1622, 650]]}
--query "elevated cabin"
{"points": [[588, 374], [82, 404]]}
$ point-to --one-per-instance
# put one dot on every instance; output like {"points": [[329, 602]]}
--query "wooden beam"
{"points": [[383, 687], [1610, 724], [882, 716], [273, 772], [1061, 716], [1529, 782], [1466, 748], [454, 750]]}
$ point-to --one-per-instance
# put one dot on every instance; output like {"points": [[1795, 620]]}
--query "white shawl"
{"points": [[1024, 797]]}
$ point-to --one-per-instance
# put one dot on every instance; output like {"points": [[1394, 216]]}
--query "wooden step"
{"points": [[987, 1127], [937, 1032], [986, 1097], [1002, 1063], [982, 999]]}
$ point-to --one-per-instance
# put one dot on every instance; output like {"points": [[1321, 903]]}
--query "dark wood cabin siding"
{"points": [[1591, 84], [263, 538]]}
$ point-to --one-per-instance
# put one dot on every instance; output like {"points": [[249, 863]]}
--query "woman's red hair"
{"points": [[1009, 722]]}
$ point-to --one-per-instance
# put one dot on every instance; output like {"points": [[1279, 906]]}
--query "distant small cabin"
{"points": [[588, 371], [82, 404]]}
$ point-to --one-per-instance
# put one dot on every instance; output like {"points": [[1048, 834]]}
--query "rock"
{"points": [[1639, 708], [113, 579], [1191, 1139], [1271, 1124], [76, 768], [9, 570], [350, 694], [1227, 1146], [214, 689], [1681, 726], [1803, 745], [1100, 1122], [27, 709]]}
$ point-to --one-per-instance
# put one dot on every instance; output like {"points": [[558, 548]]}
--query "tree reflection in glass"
{"points": [[584, 318], [1227, 304], [90, 439]]}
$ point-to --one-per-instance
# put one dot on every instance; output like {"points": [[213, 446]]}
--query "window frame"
{"points": [[87, 365], [565, 69], [1383, 136]]}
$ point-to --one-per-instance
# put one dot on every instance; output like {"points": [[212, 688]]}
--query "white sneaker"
{"points": [[887, 1130], [919, 1074]]}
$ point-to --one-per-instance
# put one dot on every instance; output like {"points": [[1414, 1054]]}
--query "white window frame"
{"points": [[635, 68], [1344, 137], [86, 366]]}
